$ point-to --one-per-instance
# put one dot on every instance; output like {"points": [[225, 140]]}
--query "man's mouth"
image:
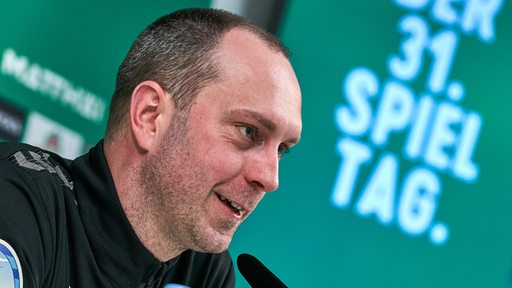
{"points": [[236, 208]]}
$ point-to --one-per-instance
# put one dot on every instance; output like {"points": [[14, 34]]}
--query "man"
{"points": [[205, 105]]}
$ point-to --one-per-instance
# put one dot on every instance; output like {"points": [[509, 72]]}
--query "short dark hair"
{"points": [[176, 51]]}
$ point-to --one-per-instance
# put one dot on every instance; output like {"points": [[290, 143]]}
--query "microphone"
{"points": [[256, 274]]}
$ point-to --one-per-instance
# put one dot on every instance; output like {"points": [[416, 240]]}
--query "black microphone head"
{"points": [[256, 274]]}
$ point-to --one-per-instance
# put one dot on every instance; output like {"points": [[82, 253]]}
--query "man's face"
{"points": [[215, 166]]}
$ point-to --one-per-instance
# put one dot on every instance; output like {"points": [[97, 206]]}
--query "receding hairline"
{"points": [[270, 41]]}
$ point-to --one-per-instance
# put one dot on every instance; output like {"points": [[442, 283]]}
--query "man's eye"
{"points": [[248, 131]]}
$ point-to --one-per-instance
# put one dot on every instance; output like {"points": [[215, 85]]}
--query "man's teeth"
{"points": [[232, 204]]}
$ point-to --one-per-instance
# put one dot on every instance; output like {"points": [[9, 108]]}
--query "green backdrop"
{"points": [[402, 175], [356, 208]]}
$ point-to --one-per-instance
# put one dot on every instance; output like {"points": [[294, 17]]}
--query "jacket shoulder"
{"points": [[9, 148], [35, 160]]}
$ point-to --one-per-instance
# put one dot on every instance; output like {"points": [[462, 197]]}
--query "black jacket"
{"points": [[65, 223]]}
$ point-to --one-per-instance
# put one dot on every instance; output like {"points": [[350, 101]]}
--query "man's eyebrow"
{"points": [[268, 124], [260, 118]]}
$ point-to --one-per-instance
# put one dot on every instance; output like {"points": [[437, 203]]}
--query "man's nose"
{"points": [[263, 170]]}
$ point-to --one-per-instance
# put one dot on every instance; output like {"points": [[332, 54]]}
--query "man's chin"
{"points": [[212, 249], [217, 244]]}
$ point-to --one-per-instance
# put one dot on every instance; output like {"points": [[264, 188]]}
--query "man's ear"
{"points": [[150, 111]]}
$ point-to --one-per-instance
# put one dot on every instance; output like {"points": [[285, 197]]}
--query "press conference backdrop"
{"points": [[403, 172]]}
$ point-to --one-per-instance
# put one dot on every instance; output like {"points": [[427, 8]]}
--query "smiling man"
{"points": [[204, 107]]}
